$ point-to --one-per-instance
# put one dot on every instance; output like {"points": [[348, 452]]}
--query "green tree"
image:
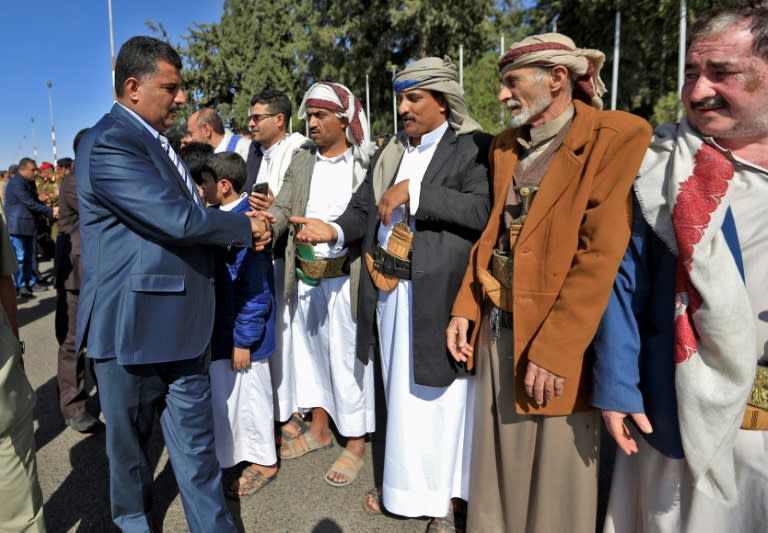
{"points": [[255, 45], [649, 42]]}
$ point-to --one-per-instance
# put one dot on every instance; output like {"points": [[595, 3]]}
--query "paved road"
{"points": [[73, 467]]}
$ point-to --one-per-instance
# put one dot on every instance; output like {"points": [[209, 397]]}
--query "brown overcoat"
{"points": [[569, 250]]}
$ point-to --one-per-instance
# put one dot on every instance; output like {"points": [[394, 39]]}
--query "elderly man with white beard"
{"points": [[561, 179]]}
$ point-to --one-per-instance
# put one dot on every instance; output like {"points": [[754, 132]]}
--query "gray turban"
{"points": [[441, 75]]}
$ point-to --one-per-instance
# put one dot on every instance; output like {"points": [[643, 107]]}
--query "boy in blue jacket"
{"points": [[243, 340]]}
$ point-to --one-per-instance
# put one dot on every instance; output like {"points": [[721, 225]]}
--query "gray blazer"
{"points": [[292, 201]]}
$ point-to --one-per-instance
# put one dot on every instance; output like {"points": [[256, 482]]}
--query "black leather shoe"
{"points": [[84, 422]]}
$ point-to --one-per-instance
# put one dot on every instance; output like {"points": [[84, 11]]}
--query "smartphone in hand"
{"points": [[261, 188]]}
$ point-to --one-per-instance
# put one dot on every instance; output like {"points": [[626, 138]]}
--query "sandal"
{"points": [[348, 464], [302, 445], [253, 482], [297, 424], [372, 501]]}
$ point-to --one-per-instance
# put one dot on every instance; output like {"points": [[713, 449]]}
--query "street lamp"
{"points": [[53, 129]]}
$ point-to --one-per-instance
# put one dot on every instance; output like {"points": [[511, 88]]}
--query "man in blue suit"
{"points": [[22, 207], [147, 295]]}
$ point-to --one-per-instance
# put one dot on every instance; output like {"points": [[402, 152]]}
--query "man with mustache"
{"points": [[147, 296], [686, 322], [417, 214], [320, 282], [537, 284]]}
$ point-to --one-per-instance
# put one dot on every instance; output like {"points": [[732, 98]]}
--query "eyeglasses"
{"points": [[256, 117]]}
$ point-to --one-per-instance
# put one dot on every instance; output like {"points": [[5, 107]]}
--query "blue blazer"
{"points": [[22, 206], [147, 291]]}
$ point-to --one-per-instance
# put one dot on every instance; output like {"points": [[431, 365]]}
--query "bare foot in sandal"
{"points": [[252, 479], [292, 429], [345, 469], [372, 501]]}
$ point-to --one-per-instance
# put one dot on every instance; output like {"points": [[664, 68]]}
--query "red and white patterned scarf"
{"points": [[683, 192]]}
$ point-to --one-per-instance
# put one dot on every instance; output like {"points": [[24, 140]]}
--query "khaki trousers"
{"points": [[530, 473], [21, 509]]}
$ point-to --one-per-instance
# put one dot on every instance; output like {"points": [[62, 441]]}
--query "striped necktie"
{"points": [[180, 167]]}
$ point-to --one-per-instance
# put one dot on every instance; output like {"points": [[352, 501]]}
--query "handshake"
{"points": [[261, 228]]}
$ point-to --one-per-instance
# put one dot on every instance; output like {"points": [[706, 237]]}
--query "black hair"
{"points": [[228, 166], [196, 156], [139, 56], [277, 101]]}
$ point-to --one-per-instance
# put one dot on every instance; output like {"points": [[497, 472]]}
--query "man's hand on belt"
{"points": [[542, 385], [314, 230], [394, 197], [456, 339]]}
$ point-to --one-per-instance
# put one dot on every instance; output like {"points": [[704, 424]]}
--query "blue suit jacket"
{"points": [[22, 206], [147, 293]]}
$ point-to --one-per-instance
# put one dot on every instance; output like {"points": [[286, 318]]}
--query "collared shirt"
{"points": [[413, 165], [231, 205], [157, 135], [329, 193], [151, 130]]}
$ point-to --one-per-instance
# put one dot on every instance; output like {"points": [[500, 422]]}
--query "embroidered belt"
{"points": [[315, 269], [756, 413], [389, 264]]}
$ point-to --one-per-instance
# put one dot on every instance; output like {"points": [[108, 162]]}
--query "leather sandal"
{"points": [[298, 424], [302, 445], [250, 482], [348, 464]]}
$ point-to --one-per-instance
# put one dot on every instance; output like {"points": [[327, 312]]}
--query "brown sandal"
{"points": [[250, 482]]}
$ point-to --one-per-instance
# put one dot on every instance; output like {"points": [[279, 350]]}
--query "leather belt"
{"points": [[386, 263]]}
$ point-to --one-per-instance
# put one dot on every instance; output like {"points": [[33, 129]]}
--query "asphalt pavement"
{"points": [[74, 475]]}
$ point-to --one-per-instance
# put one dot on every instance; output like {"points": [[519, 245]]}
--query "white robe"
{"points": [[653, 493], [242, 413], [328, 373], [429, 429]]}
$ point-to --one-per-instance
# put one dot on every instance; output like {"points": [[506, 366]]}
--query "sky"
{"points": [[66, 42]]}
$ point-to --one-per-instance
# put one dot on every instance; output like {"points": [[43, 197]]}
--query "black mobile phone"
{"points": [[261, 188]]}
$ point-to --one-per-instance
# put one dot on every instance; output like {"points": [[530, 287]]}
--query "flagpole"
{"points": [[616, 53]]}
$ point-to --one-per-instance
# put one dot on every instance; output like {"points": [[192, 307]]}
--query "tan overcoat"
{"points": [[569, 250]]}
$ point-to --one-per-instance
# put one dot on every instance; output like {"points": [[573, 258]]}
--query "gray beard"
{"points": [[527, 113]]}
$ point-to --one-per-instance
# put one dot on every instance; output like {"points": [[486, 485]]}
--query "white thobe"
{"points": [[428, 428], [328, 373], [654, 493]]}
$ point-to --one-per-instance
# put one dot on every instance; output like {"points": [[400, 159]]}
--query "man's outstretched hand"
{"points": [[313, 230]]}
